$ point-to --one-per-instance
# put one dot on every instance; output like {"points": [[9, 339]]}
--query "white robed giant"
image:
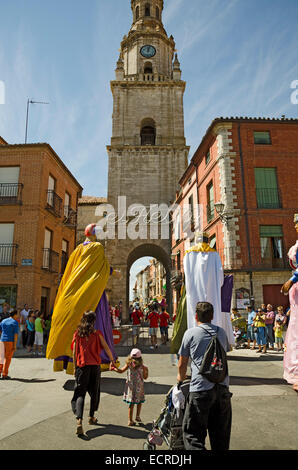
{"points": [[204, 277]]}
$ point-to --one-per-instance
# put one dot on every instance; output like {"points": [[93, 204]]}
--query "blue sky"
{"points": [[238, 58]]}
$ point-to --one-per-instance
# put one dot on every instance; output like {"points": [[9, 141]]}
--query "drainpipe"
{"points": [[245, 214]]}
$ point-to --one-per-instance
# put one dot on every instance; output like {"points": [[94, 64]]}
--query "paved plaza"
{"points": [[35, 405]]}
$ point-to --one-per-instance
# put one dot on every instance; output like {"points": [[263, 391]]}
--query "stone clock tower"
{"points": [[148, 152]]}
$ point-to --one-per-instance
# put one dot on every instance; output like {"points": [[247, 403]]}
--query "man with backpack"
{"points": [[208, 407]]}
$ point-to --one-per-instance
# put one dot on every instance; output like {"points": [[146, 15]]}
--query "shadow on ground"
{"points": [[253, 381], [135, 432], [115, 386], [257, 358]]}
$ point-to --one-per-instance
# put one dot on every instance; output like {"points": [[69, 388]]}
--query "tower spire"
{"points": [[147, 12]]}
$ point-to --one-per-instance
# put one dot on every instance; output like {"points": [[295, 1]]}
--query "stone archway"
{"points": [[154, 251]]}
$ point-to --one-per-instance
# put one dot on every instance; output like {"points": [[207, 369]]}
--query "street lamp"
{"points": [[27, 114], [220, 209]]}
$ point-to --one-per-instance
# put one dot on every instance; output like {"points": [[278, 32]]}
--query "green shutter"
{"points": [[267, 231], [266, 188], [262, 137]]}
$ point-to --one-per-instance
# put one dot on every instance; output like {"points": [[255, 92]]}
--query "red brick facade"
{"points": [[34, 271], [257, 184]]}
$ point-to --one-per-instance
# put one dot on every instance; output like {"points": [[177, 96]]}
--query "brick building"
{"points": [[38, 212], [243, 177], [88, 213]]}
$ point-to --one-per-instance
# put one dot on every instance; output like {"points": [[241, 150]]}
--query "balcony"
{"points": [[268, 198], [235, 259], [8, 254], [50, 260], [70, 217], [54, 203], [11, 194]]}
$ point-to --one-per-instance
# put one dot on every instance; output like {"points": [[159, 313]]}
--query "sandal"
{"points": [[93, 420], [80, 431], [131, 423], [138, 419]]}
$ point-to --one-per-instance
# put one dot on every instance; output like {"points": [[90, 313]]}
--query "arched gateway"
{"points": [[148, 153]]}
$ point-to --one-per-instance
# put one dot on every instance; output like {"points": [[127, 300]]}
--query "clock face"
{"points": [[148, 51]]}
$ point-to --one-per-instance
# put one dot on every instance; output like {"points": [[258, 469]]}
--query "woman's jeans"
{"points": [[261, 336], [87, 380], [210, 411], [270, 335]]}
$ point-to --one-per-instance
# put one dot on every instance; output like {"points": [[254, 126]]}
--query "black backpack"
{"points": [[214, 366]]}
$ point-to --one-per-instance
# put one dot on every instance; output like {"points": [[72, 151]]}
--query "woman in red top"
{"points": [[87, 344]]}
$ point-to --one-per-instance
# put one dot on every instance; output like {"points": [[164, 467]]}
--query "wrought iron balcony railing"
{"points": [[8, 254], [50, 260], [70, 217], [54, 203], [235, 258], [11, 193]]}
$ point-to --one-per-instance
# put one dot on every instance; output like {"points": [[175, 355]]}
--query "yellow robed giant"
{"points": [[83, 283]]}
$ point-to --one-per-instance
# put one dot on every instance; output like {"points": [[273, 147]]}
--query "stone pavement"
{"points": [[35, 405]]}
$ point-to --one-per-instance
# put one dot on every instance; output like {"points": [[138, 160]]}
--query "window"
{"points": [[271, 239], [64, 257], [45, 299], [51, 190], [47, 248], [267, 188], [148, 67], [137, 13], [262, 137], [66, 204], [210, 202], [8, 293], [191, 212], [177, 229], [157, 13], [7, 248], [147, 9], [148, 132], [207, 157], [10, 189], [212, 242]]}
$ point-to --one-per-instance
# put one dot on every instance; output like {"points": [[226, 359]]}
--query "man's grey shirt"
{"points": [[194, 344]]}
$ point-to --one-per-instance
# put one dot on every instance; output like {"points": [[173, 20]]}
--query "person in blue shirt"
{"points": [[208, 407], [9, 329], [251, 336]]}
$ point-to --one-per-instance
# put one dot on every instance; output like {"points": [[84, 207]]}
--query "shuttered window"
{"points": [[267, 188], [261, 137]]}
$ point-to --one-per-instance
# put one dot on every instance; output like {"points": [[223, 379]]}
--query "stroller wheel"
{"points": [[148, 446]]}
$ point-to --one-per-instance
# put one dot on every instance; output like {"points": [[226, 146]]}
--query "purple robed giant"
{"points": [[104, 325]]}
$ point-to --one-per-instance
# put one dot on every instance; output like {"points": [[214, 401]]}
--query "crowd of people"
{"points": [[154, 315], [264, 328], [32, 326]]}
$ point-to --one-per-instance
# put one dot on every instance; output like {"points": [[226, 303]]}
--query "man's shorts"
{"points": [[153, 331], [163, 330], [38, 338], [135, 330]]}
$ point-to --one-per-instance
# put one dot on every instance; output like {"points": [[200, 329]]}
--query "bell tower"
{"points": [[148, 153]]}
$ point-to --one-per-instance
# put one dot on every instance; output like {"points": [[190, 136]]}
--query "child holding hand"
{"points": [[134, 386]]}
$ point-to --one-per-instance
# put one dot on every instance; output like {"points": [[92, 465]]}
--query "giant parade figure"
{"points": [[204, 278], [82, 288], [291, 340]]}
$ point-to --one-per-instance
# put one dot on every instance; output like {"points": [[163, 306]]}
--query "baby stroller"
{"points": [[168, 426]]}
